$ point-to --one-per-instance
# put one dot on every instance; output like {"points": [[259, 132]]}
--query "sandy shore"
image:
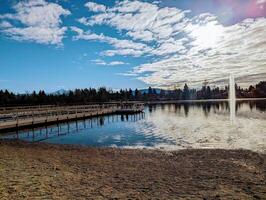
{"points": [[43, 171]]}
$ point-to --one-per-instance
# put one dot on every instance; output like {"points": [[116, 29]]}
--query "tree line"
{"points": [[92, 95]]}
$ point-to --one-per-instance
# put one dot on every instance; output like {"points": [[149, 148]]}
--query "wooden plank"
{"points": [[23, 116]]}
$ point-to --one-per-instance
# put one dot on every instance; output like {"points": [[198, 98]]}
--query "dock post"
{"points": [[58, 131], [32, 113], [17, 117], [46, 115], [17, 133], [33, 135], [46, 131], [84, 123], [57, 114]]}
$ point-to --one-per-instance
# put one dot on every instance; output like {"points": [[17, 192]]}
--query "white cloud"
{"points": [[122, 47], [112, 63], [5, 24], [43, 35], [117, 63], [94, 7], [40, 22], [240, 50], [186, 49], [129, 47], [144, 21]]}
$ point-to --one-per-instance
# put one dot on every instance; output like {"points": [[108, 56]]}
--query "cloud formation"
{"points": [[239, 50], [143, 23], [35, 20], [113, 63], [121, 47], [187, 49], [175, 46], [95, 7]]}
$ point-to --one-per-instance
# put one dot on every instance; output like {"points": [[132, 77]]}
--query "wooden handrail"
{"points": [[34, 113]]}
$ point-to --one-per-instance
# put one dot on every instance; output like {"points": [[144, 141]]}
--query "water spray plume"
{"points": [[232, 98]]}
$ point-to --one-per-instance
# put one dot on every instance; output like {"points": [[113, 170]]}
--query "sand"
{"points": [[45, 171]]}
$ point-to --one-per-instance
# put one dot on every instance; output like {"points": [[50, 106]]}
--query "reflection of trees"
{"points": [[152, 108], [169, 107], [238, 106], [226, 106], [251, 105], [177, 108], [186, 109], [217, 106], [259, 105], [208, 106]]}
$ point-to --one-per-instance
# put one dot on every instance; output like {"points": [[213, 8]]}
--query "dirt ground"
{"points": [[44, 171]]}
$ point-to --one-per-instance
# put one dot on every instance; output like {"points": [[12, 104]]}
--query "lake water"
{"points": [[165, 126]]}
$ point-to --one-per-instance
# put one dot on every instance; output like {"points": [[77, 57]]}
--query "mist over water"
{"points": [[166, 126]]}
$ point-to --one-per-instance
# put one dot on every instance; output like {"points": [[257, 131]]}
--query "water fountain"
{"points": [[232, 98]]}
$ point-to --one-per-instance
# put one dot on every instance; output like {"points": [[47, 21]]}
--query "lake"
{"points": [[165, 126]]}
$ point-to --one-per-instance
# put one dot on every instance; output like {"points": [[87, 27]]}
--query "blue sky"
{"points": [[63, 44]]}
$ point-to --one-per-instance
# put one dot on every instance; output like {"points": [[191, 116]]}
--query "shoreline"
{"points": [[48, 171]]}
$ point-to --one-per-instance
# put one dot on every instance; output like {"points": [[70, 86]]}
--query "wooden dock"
{"points": [[15, 118]]}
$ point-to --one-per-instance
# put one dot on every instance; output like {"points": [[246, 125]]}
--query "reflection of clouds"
{"points": [[102, 139], [215, 131], [117, 137], [108, 138], [168, 127]]}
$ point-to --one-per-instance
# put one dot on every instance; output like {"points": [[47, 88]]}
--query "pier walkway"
{"points": [[13, 118]]}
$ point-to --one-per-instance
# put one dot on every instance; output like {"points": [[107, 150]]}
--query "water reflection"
{"points": [[208, 106], [207, 125], [66, 133], [168, 126]]}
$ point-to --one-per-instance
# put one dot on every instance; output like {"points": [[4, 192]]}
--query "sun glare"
{"points": [[207, 36]]}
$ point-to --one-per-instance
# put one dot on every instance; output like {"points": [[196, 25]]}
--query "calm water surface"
{"points": [[165, 126]]}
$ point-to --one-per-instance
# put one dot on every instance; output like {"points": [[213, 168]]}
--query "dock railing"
{"points": [[12, 117]]}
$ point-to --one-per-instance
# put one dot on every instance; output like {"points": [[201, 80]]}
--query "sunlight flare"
{"points": [[207, 36]]}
